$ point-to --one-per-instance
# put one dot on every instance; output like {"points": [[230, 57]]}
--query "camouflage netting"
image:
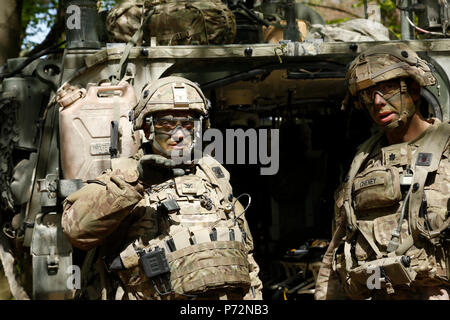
{"points": [[8, 139]]}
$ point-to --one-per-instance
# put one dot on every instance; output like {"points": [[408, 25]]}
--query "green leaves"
{"points": [[390, 15], [37, 16]]}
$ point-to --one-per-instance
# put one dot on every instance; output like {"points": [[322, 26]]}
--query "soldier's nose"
{"points": [[379, 100], [178, 136]]}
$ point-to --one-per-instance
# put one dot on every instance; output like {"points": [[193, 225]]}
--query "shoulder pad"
{"points": [[126, 167], [218, 170], [217, 175]]}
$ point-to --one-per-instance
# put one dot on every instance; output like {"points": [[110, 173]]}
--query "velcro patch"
{"points": [[369, 182], [424, 159], [218, 172]]}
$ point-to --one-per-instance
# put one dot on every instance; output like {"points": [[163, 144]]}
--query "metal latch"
{"points": [[406, 178], [52, 262], [49, 184]]}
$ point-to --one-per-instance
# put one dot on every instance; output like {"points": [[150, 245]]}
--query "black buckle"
{"points": [[154, 263]]}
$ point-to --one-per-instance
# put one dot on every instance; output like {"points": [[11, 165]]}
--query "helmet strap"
{"points": [[405, 111]]}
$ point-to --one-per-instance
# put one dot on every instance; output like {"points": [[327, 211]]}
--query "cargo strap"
{"points": [[131, 43], [178, 36], [208, 263], [433, 146], [48, 134]]}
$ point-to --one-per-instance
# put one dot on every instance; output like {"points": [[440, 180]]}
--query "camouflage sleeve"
{"points": [[92, 213], [328, 285], [255, 292]]}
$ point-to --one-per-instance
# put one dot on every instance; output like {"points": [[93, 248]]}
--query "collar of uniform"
{"points": [[435, 122], [397, 154]]}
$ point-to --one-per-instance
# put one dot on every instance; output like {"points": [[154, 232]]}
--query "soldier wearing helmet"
{"points": [[161, 227], [390, 238]]}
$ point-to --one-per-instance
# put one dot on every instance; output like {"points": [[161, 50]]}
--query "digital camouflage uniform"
{"points": [[119, 215], [382, 177]]}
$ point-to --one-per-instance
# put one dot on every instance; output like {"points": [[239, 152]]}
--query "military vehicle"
{"points": [[65, 114]]}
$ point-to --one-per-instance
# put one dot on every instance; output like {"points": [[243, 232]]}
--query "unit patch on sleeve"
{"points": [[218, 172], [424, 159]]}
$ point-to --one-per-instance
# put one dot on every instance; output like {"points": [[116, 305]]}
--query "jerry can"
{"points": [[94, 126]]}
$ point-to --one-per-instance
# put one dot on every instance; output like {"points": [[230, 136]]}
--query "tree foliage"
{"points": [[37, 16], [40, 16], [390, 17]]}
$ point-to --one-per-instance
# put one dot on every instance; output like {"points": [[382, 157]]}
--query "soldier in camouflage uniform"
{"points": [[158, 229], [391, 238]]}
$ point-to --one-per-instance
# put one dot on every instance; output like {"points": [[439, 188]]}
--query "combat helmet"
{"points": [[171, 93], [386, 62]]}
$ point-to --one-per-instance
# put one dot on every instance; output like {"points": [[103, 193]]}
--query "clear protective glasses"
{"points": [[171, 124], [386, 90]]}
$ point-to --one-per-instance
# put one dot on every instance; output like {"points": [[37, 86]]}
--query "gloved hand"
{"points": [[155, 160], [153, 167]]}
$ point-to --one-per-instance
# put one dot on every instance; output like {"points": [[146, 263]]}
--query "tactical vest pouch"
{"points": [[174, 22], [196, 269], [209, 265], [377, 187], [392, 269]]}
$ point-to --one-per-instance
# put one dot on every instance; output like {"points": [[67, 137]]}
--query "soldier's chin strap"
{"points": [[405, 111]]}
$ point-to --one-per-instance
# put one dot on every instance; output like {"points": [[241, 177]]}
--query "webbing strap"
{"points": [[209, 263], [217, 280], [205, 247], [434, 143], [202, 235], [372, 244], [129, 257], [177, 36], [131, 43], [391, 67], [348, 256], [205, 34]]}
